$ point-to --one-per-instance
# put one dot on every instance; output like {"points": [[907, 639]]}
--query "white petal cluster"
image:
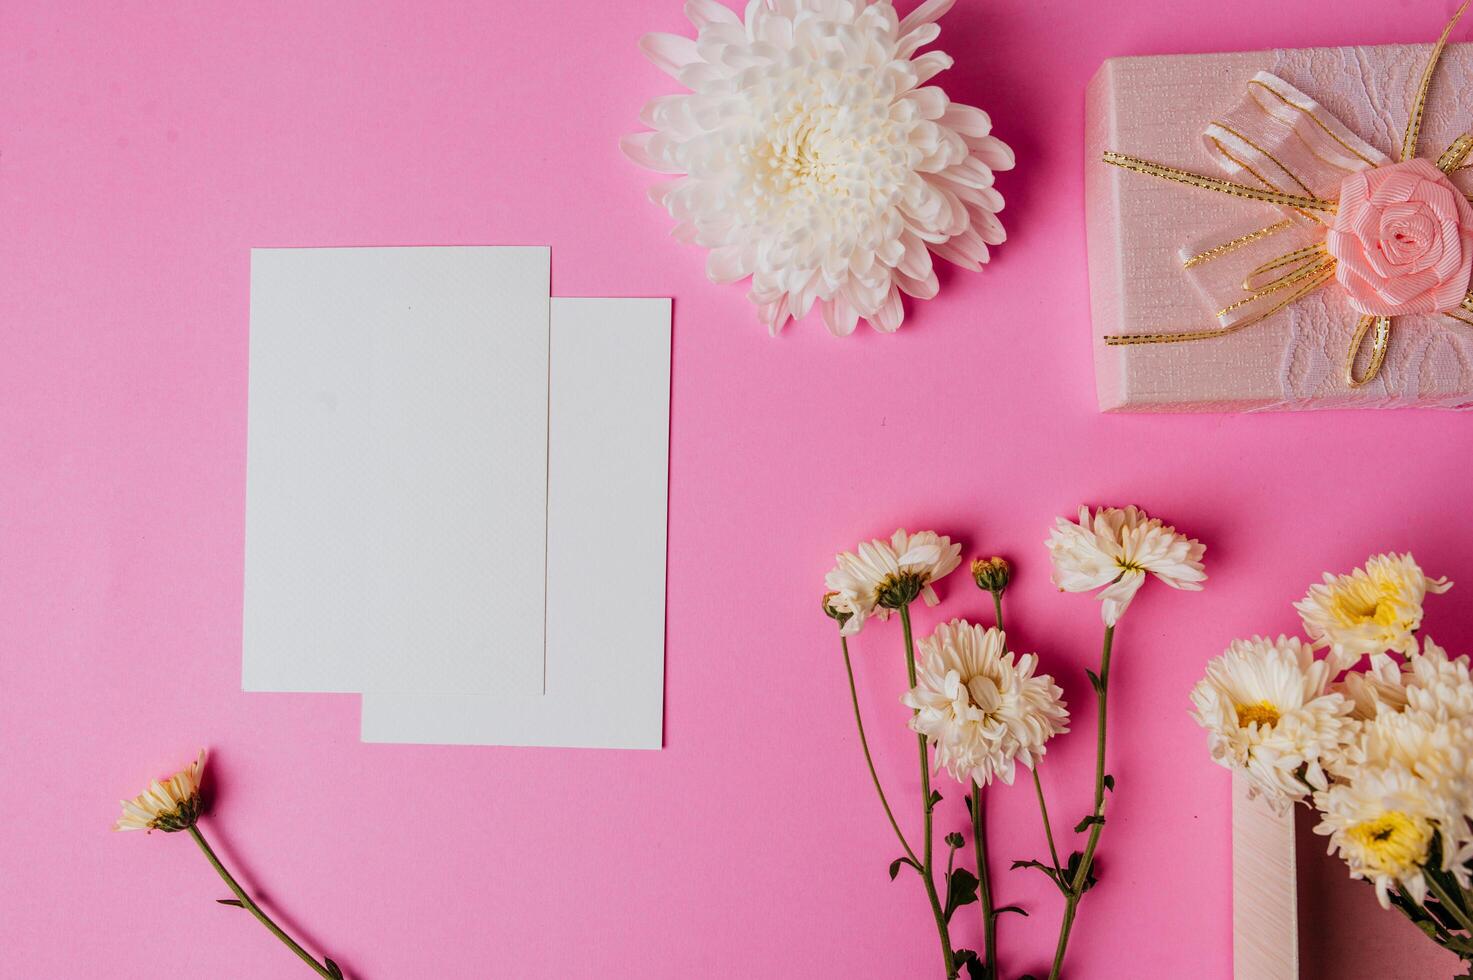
{"points": [[981, 706], [1387, 750], [1419, 742], [815, 159], [1379, 684], [1269, 714], [1371, 610], [881, 576], [171, 805], [1114, 549]]}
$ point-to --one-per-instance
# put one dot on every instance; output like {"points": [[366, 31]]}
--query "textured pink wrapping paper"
{"points": [[1156, 108]]}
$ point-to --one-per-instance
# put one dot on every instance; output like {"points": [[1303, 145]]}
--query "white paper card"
{"points": [[396, 470], [608, 466]]}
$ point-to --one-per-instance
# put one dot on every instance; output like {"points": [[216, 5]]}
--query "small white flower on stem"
{"points": [[1114, 549], [881, 576], [171, 805]]}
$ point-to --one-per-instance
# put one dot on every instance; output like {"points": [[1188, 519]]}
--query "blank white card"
{"points": [[608, 465], [396, 475]]}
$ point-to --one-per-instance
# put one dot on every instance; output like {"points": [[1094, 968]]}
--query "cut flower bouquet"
{"points": [[1376, 736], [979, 710]]}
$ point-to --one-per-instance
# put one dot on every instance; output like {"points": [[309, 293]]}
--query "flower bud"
{"points": [[992, 574], [836, 608]]}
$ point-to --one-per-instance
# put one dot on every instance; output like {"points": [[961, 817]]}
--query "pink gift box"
{"points": [[1156, 108]]}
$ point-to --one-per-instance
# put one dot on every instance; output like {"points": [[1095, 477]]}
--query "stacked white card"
{"points": [[456, 496]]}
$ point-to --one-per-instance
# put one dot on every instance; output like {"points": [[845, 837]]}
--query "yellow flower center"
{"points": [[1393, 841], [1263, 714], [1360, 610]]}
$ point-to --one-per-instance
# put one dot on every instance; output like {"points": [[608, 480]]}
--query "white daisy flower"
{"points": [[982, 707], [170, 806], [1114, 549], [1267, 714], [1371, 610], [882, 576], [1382, 824], [815, 159]]}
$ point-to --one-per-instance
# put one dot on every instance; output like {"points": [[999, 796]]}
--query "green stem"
{"points": [[1442, 938], [1454, 907], [1048, 829], [255, 909], [927, 872], [997, 607], [984, 881], [868, 760], [1076, 886]]}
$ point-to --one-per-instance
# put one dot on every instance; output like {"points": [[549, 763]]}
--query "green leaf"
{"points": [[895, 866], [1046, 869], [1071, 870], [954, 840], [976, 969], [333, 968], [231, 901], [935, 798], [961, 890], [1086, 822], [1094, 680], [1011, 908], [1110, 783]]}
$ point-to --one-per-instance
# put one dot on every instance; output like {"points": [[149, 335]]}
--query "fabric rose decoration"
{"points": [[1402, 240]]}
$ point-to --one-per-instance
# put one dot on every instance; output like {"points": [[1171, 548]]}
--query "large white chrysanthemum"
{"points": [[981, 707], [1382, 824], [1115, 548], [881, 576], [816, 160], [1267, 714], [1371, 610]]}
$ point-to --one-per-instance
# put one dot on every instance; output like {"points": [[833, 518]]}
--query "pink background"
{"points": [[145, 146]]}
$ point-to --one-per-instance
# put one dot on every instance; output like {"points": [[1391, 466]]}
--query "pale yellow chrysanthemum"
{"points": [[170, 806], [1114, 549], [1268, 715], [981, 706], [882, 576], [1371, 610], [1382, 824]]}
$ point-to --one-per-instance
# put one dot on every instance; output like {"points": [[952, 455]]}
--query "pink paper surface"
{"points": [[145, 147]]}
